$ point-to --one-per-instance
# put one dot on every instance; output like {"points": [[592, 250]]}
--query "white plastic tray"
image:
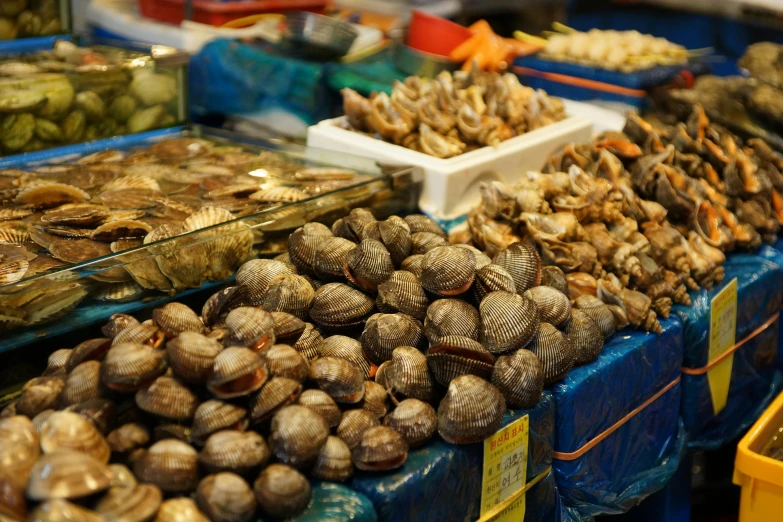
{"points": [[451, 186]]}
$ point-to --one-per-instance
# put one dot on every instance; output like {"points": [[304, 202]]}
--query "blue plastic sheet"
{"points": [[755, 379], [332, 502], [640, 456], [442, 481], [775, 254]]}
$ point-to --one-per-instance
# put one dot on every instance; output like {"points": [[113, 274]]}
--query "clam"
{"points": [[471, 410], [520, 379], [303, 243], [409, 375], [385, 332], [144, 333], [297, 435], [180, 509], [283, 361], [89, 350], [219, 304], [55, 364], [168, 398], [422, 223], [448, 271], [415, 420], [353, 424], [39, 420], [58, 510], [288, 328], [139, 502], [122, 476], [334, 461], [39, 394], [251, 327], [452, 356], [128, 437], [598, 312], [482, 259], [336, 305], [226, 497], [412, 264], [18, 429], [83, 383], [340, 378], [331, 256], [102, 413], [289, 293], [17, 460], [554, 277], [523, 263], [492, 278], [553, 306], [451, 317], [67, 475], [351, 227], [175, 318], [402, 293], [235, 451], [308, 342], [586, 338], [66, 431], [394, 234], [192, 355], [170, 464], [13, 506], [277, 393], [380, 448], [282, 492], [214, 415], [423, 242], [374, 400], [320, 402], [256, 274], [508, 321], [236, 372], [368, 265], [345, 348], [130, 366], [170, 430], [555, 351]]}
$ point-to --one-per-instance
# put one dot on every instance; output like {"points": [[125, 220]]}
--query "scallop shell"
{"points": [[214, 415], [555, 351], [182, 260], [368, 265], [226, 497], [143, 333], [251, 327], [175, 318], [308, 342], [219, 304], [508, 321], [278, 195], [451, 317], [374, 399], [303, 244], [422, 223], [256, 275], [598, 312], [492, 278], [39, 394], [119, 292], [56, 362], [140, 502], [15, 233], [409, 375], [402, 293], [166, 397], [170, 464], [423, 242], [448, 271], [51, 195], [412, 264], [353, 425], [277, 393], [289, 293], [282, 492], [132, 366], [351, 227], [554, 277], [142, 267], [288, 328], [452, 356], [415, 420], [284, 361], [380, 448], [586, 338], [553, 306], [180, 509], [128, 437], [82, 384], [336, 305], [520, 379], [121, 228], [297, 435], [385, 332], [234, 451], [320, 402], [57, 301], [228, 245], [236, 372], [471, 410], [192, 355], [523, 263], [331, 256], [78, 250], [334, 461], [66, 475]]}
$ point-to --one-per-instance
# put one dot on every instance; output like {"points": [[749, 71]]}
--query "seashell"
{"points": [[56, 362], [144, 333], [67, 475], [598, 312], [142, 267], [170, 464], [343, 380], [131, 366], [554, 277], [82, 384], [175, 318], [308, 342], [251, 327], [256, 274], [345, 348], [236, 372], [336, 305], [452, 356], [402, 293], [282, 492], [353, 425], [180, 509], [380, 448], [226, 497], [288, 328], [119, 292], [235, 451], [492, 278], [323, 405], [553, 306], [414, 420], [213, 415], [182, 260], [482, 259], [520, 379], [50, 195], [303, 244], [228, 245], [448, 271], [118, 229], [368, 265], [67, 431], [166, 397], [192, 355], [18, 429], [374, 399], [283, 361], [351, 227], [277, 393], [139, 502], [102, 413], [122, 476], [222, 302], [412, 264], [38, 420], [17, 459], [471, 410], [554, 350], [409, 375], [128, 437], [508, 321], [423, 242], [581, 283], [451, 317], [13, 506], [385, 332], [422, 223], [297, 435], [278, 195], [334, 461], [39, 394], [331, 256], [289, 293], [174, 431], [586, 338], [523, 263]]}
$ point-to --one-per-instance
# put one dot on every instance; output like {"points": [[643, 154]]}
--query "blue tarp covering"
{"points": [[640, 456], [754, 379], [442, 481], [337, 502], [775, 253]]}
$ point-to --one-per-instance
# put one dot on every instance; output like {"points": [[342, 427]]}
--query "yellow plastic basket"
{"points": [[760, 477]]}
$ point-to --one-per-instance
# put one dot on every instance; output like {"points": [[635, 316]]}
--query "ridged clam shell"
{"points": [[214, 415], [423, 242], [180, 509], [175, 318], [288, 328], [330, 258], [170, 464], [422, 223], [102, 413], [303, 243], [308, 342], [66, 431], [409, 375], [123, 476], [226, 497], [235, 451], [39, 394], [222, 302], [18, 429], [380, 448], [252, 327], [520, 379], [353, 424], [128, 437], [402, 293], [451, 317], [448, 271], [139, 502], [385, 332], [61, 510], [340, 378], [586, 338], [281, 491], [144, 333], [375, 397], [176, 431], [67, 474], [297, 435], [82, 384], [553, 276], [236, 372], [492, 278], [508, 321], [555, 351], [168, 398], [191, 356], [320, 402], [339, 306], [56, 362], [415, 420], [553, 306], [482, 259], [119, 292], [256, 275], [334, 461], [412, 264], [283, 361], [452, 356], [523, 263], [345, 348], [471, 410], [89, 350], [598, 312], [289, 293], [277, 393], [131, 366], [369, 265], [395, 236]]}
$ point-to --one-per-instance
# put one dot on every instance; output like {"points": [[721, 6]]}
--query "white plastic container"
{"points": [[451, 186]]}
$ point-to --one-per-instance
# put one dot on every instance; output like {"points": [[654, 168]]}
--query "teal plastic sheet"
{"points": [[775, 254], [755, 378], [442, 481], [332, 502], [638, 457]]}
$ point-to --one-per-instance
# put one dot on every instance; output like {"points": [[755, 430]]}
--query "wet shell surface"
{"points": [[131, 366], [451, 317], [412, 264], [288, 328], [128, 437], [415, 420], [422, 223], [395, 235], [553, 305], [402, 293], [586, 338], [336, 305], [353, 425], [138, 502], [170, 464], [508, 321], [555, 351], [168, 398], [66, 431], [226, 497], [492, 278], [180, 509], [82, 384], [598, 312], [67, 475], [235, 451], [222, 302], [144, 333], [56, 362], [297, 435], [453, 356], [39, 394], [89, 350], [520, 379], [331, 257], [334, 461], [320, 402], [251, 327], [308, 342], [346, 348], [448, 271], [283, 361], [340, 378], [380, 448], [523, 263], [303, 244], [368, 265], [277, 393], [192, 355], [281, 491], [236, 372], [256, 274], [175, 318], [409, 375], [385, 332], [375, 397], [214, 415], [423, 242], [554, 277], [471, 410], [288, 293]]}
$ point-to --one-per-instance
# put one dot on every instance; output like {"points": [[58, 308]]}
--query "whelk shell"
{"points": [[409, 375], [166, 397], [132, 366], [555, 351], [380, 448], [336, 305], [226, 497], [320, 402], [451, 317], [553, 306], [170, 464], [213, 415], [585, 336], [508, 321], [340, 378], [334, 461], [236, 372], [235, 451], [66, 475], [297, 435], [192, 355], [277, 393], [402, 293], [415, 420], [452, 356], [519, 377], [385, 332], [471, 410], [281, 491], [448, 271], [66, 431]]}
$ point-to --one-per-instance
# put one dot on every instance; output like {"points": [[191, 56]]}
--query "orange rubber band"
{"points": [[581, 82], [713, 363], [611, 429]]}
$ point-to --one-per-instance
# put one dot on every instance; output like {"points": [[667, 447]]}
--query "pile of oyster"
{"points": [[449, 115], [115, 201], [26, 18]]}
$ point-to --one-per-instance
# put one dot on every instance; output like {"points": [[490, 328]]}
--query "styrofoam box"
{"points": [[451, 186]]}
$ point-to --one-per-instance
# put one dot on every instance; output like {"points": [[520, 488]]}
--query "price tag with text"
{"points": [[723, 332], [505, 469]]}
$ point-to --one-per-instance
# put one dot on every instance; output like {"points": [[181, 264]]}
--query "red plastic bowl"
{"points": [[435, 35]]}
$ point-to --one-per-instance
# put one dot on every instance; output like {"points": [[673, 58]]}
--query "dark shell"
{"points": [[423, 242], [144, 333], [214, 415], [128, 437], [55, 364], [553, 276], [102, 413], [408, 374], [168, 398], [345, 348], [282, 492], [448, 271], [453, 356], [256, 274], [175, 318], [277, 393], [283, 361], [170, 464], [403, 293], [555, 351], [523, 263], [340, 378], [553, 306], [380, 448], [235, 451], [39, 394], [374, 399], [226, 497], [451, 317], [520, 379], [89, 350], [351, 227], [237, 372], [289, 293], [422, 223], [297, 435], [251, 327], [339, 306], [471, 411], [598, 312], [192, 355], [132, 366], [320, 402], [331, 257], [369, 265], [586, 338], [412, 264], [334, 461], [395, 236], [303, 243], [415, 420], [508, 321], [222, 302], [385, 332], [353, 424], [308, 342], [492, 278]]}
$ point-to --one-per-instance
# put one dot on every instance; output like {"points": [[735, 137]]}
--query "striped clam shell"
{"points": [[345, 348], [341, 379], [297, 435], [67, 474], [167, 397], [492, 278], [482, 259], [288, 328], [395, 236], [520, 378], [353, 425], [55, 364], [236, 372], [423, 242], [403, 293], [256, 274], [117, 323], [351, 227], [422, 223], [289, 293], [320, 402], [553, 276], [555, 351], [303, 243], [553, 305], [225, 497], [523, 263], [374, 399], [471, 410], [331, 255], [334, 461], [39, 394], [82, 384], [131, 366], [598, 312], [385, 332], [380, 448], [89, 350], [451, 317], [144, 333], [282, 492], [409, 375], [170, 464], [448, 271], [336, 305], [214, 415], [308, 342], [415, 420], [277, 393], [283, 361], [508, 321], [235, 451], [369, 265], [453, 356], [252, 327], [586, 337], [175, 318]]}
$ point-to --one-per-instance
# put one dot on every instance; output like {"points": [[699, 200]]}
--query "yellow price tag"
{"points": [[723, 332], [505, 469]]}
